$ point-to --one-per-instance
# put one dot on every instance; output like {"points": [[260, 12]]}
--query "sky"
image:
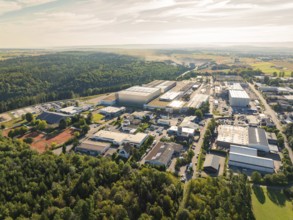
{"points": [[57, 23]]}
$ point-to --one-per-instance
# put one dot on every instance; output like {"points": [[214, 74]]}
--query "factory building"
{"points": [[162, 154], [92, 148], [117, 138], [170, 96], [137, 95], [242, 136], [164, 86], [197, 101], [112, 111], [238, 98], [247, 158]]}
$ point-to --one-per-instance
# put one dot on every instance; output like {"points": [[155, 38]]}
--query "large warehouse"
{"points": [[238, 98], [243, 136], [117, 138], [137, 95], [247, 158], [163, 85]]}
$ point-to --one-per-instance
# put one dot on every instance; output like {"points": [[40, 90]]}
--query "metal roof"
{"points": [[243, 150], [257, 136], [212, 161], [252, 160], [52, 117], [139, 90], [197, 100], [170, 95], [238, 94]]}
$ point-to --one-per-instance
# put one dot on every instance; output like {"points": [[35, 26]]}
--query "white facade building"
{"points": [[247, 158], [238, 98], [137, 95]]}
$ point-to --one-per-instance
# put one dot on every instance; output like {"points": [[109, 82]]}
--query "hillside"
{"points": [[73, 186], [30, 80]]}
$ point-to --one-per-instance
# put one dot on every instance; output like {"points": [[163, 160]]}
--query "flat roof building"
{"points": [[137, 95], [197, 101], [238, 98], [93, 148], [242, 136], [112, 111], [71, 110], [244, 158], [170, 96], [117, 138]]}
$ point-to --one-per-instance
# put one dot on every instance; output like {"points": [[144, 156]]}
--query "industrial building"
{"points": [[238, 98], [112, 111], [93, 148], [211, 163], [137, 95], [243, 136], [71, 110], [52, 117], [247, 158], [163, 85], [117, 138], [197, 101], [188, 122], [162, 154], [108, 100], [170, 96]]}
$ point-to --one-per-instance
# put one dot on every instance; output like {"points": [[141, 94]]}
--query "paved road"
{"points": [[272, 113], [183, 74]]}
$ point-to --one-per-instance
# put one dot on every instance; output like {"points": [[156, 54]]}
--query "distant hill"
{"points": [[30, 80]]}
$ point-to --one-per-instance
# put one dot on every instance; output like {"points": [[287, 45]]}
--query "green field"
{"points": [[269, 68], [97, 117], [271, 204]]}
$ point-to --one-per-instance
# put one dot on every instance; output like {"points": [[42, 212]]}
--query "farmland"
{"points": [[270, 68], [271, 204]]}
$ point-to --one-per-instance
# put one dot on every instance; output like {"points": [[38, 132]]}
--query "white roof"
{"points": [[238, 94], [121, 137], [197, 100], [70, 109], [139, 90], [170, 95], [111, 109], [252, 160], [233, 134], [235, 86], [243, 150], [176, 104]]}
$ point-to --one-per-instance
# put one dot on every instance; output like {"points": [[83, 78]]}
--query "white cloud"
{"points": [[147, 21]]}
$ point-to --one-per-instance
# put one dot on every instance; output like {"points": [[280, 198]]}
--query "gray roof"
{"points": [[243, 150], [52, 117], [251, 160], [212, 161], [162, 152], [257, 136]]}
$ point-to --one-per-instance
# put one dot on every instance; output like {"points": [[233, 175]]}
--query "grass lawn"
{"points": [[271, 203], [13, 122], [269, 68], [97, 117]]}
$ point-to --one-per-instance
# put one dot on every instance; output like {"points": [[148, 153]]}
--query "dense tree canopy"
{"points": [[218, 198], [81, 187], [30, 80]]}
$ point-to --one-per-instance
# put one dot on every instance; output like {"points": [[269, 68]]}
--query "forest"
{"points": [[74, 186], [30, 80]]}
